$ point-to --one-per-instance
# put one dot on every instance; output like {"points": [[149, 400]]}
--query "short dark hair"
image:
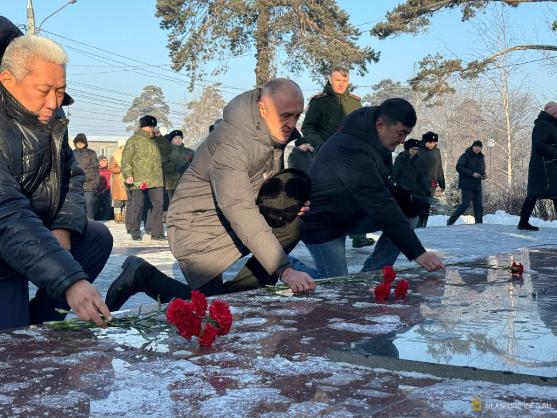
{"points": [[397, 110]]}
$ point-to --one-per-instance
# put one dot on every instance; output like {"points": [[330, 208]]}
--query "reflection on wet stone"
{"points": [[333, 353]]}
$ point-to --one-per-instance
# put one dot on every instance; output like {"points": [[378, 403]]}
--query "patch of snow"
{"points": [[365, 329]]}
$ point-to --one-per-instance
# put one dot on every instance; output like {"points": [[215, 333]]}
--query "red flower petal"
{"points": [[181, 314], [389, 274], [200, 302], [209, 335], [219, 311], [401, 289], [382, 291]]}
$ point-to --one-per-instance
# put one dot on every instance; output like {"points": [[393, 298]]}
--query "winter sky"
{"points": [[105, 38]]}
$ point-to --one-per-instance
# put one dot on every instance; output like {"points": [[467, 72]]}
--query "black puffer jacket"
{"points": [[542, 171], [434, 166], [468, 164], [41, 188], [410, 173], [350, 182], [89, 163]]}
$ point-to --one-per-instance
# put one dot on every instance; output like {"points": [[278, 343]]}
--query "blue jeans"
{"points": [[91, 250], [330, 257]]}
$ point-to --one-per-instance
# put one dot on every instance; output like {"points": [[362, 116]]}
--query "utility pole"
{"points": [[30, 18]]}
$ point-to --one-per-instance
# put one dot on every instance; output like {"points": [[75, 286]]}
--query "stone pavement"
{"points": [[468, 341]]}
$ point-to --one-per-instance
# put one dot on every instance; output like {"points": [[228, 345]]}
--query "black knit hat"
{"points": [[282, 196], [174, 133], [430, 137], [147, 120], [102, 157], [80, 138], [477, 143], [411, 143]]}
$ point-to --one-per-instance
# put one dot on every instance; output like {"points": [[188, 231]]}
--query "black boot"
{"points": [[527, 209], [126, 284]]}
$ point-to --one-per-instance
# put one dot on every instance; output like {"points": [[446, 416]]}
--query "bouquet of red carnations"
{"points": [[383, 290]]}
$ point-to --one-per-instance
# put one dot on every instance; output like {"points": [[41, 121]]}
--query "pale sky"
{"points": [[117, 47]]}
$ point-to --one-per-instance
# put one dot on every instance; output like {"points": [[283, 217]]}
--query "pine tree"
{"points": [[413, 17], [202, 113], [150, 102], [312, 35]]}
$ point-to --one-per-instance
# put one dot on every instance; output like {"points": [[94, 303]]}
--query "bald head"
{"points": [[551, 108], [280, 105]]}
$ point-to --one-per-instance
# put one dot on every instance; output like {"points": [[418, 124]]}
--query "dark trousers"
{"points": [[423, 217], [528, 208], [155, 196], [90, 198], [469, 196], [103, 207], [129, 211], [91, 251], [159, 286]]}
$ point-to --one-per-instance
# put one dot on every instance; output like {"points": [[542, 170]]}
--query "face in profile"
{"points": [[281, 113], [40, 91], [393, 135], [339, 82]]}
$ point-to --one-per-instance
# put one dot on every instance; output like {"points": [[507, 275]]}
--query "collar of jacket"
{"points": [[546, 117], [328, 89], [14, 110], [143, 133]]}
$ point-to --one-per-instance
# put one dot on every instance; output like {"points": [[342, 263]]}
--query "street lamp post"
{"points": [[490, 145], [31, 29]]}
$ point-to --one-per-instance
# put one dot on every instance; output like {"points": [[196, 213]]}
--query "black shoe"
{"points": [[362, 242], [158, 238], [136, 237], [527, 227], [126, 285]]}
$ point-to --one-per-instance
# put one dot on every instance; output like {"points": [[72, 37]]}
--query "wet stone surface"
{"points": [[311, 355]]}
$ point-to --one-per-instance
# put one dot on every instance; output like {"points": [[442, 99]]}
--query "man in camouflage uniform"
{"points": [[325, 114], [142, 171]]}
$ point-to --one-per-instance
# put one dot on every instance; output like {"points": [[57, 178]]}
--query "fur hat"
{"points": [[430, 137], [477, 143], [174, 133], [147, 120], [282, 196], [80, 138], [411, 143]]}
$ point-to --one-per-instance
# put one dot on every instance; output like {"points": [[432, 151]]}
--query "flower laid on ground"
{"points": [[189, 318], [389, 274], [401, 289], [382, 291], [517, 269]]}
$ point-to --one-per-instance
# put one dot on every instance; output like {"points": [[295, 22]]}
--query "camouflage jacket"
{"points": [[141, 160]]}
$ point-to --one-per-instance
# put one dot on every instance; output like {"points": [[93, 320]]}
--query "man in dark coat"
{"points": [[214, 218], [471, 171], [431, 157], [89, 163], [409, 171], [542, 171], [350, 191], [44, 234], [325, 114]]}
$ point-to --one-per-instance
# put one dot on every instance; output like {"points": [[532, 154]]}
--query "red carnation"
{"points": [[200, 302], [219, 311], [143, 186], [209, 335], [382, 291], [389, 274], [517, 268], [401, 289], [181, 314]]}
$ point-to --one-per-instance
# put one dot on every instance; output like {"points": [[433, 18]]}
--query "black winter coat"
{"points": [[89, 163], [433, 165], [410, 173], [41, 188], [542, 171], [468, 164], [350, 182]]}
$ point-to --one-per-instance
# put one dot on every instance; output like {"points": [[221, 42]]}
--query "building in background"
{"points": [[102, 145]]}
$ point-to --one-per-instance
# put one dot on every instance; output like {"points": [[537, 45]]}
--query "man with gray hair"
{"points": [[44, 234], [217, 213]]}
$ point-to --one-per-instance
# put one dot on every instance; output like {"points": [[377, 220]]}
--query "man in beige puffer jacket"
{"points": [[214, 220]]}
